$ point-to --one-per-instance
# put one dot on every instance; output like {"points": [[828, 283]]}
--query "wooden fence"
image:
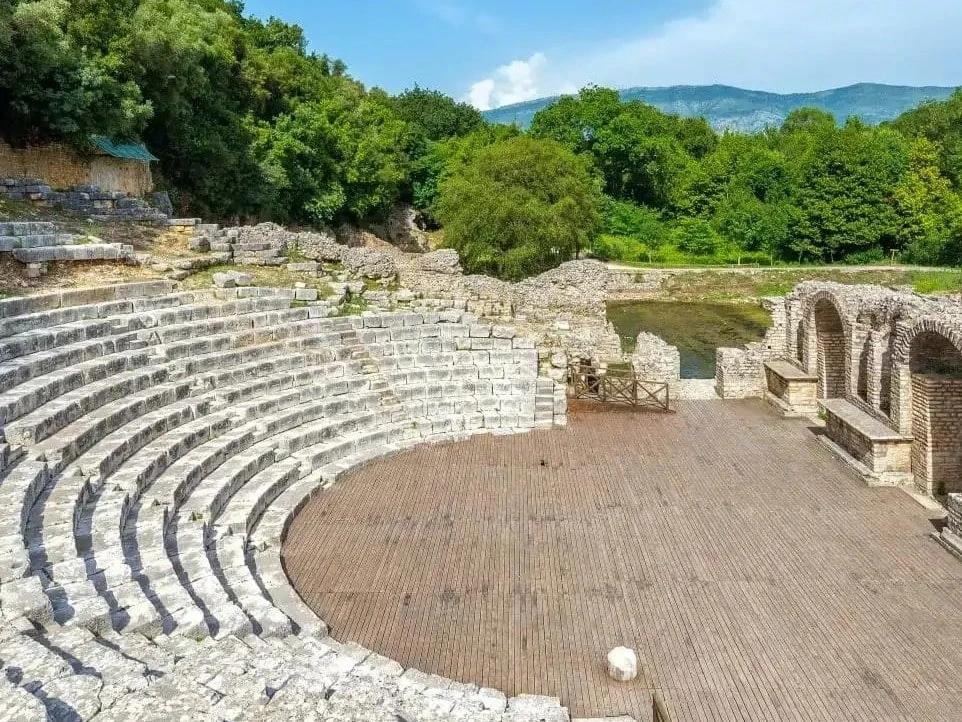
{"points": [[617, 386]]}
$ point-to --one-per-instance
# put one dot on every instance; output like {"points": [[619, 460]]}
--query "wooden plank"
{"points": [[757, 578]]}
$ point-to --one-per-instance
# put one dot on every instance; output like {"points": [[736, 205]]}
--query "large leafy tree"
{"points": [[941, 124], [52, 87], [929, 211], [230, 104], [446, 157], [640, 152], [336, 158], [519, 207], [436, 115], [844, 191]]}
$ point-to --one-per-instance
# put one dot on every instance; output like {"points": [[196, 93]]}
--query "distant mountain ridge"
{"points": [[750, 111]]}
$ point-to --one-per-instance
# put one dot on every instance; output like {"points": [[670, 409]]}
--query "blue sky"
{"points": [[496, 52]]}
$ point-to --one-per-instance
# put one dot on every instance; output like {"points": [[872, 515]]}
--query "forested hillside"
{"points": [[250, 125], [751, 111], [245, 121]]}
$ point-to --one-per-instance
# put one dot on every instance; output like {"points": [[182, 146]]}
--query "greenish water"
{"points": [[697, 329]]}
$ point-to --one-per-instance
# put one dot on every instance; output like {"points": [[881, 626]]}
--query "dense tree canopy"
{"points": [[250, 124], [246, 121], [810, 190]]}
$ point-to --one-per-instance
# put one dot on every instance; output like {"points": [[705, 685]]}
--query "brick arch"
{"points": [[949, 329], [930, 399], [826, 351], [812, 300]]}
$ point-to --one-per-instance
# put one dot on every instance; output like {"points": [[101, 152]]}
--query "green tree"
{"points": [[448, 156], [339, 158], [640, 152], [929, 211], [941, 124], [697, 237], [844, 191], [519, 207], [436, 115], [51, 88]]}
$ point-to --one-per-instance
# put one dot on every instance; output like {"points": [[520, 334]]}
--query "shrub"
{"points": [[519, 207]]}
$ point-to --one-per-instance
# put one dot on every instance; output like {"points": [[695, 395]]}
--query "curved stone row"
{"points": [[156, 446]]}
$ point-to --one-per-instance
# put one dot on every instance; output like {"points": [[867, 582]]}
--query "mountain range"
{"points": [[750, 111]]}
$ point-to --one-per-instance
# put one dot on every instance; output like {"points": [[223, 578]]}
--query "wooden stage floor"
{"points": [[754, 574]]}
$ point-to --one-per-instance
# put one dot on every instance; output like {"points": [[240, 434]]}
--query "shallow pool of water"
{"points": [[697, 329]]}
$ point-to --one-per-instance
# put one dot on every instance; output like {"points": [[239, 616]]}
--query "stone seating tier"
{"points": [[156, 447]]}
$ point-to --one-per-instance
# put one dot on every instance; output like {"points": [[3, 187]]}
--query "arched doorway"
{"points": [[829, 350], [936, 367]]}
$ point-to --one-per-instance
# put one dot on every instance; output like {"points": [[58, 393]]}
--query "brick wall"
{"points": [[831, 364], [61, 167], [937, 430]]}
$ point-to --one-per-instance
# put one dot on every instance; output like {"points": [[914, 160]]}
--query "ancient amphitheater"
{"points": [[157, 444], [174, 535]]}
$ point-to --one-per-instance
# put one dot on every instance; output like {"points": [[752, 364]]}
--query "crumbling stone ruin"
{"points": [[84, 200], [884, 369]]}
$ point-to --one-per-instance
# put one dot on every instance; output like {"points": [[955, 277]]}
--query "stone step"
{"points": [[27, 228], [161, 500], [12, 243], [84, 252]]}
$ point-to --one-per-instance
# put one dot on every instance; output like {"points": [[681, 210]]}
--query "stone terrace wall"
{"points": [[84, 199], [563, 309], [61, 167]]}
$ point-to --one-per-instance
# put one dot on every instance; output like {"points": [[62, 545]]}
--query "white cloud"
{"points": [[783, 45], [515, 82], [457, 15]]}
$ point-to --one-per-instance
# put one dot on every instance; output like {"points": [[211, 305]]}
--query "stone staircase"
{"points": [[37, 243], [230, 242], [156, 446]]}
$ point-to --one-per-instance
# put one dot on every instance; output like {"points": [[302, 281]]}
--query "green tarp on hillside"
{"points": [[127, 151]]}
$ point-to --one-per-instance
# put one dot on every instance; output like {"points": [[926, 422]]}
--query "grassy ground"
{"points": [[728, 286]]}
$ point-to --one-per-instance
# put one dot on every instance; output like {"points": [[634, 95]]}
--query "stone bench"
{"points": [[19, 370], [793, 391], [881, 455], [39, 390], [80, 252], [29, 342]]}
